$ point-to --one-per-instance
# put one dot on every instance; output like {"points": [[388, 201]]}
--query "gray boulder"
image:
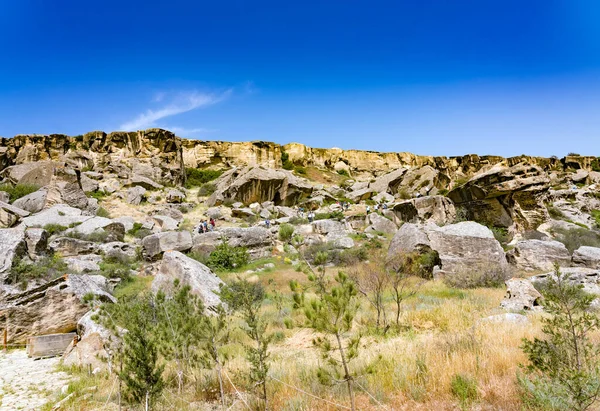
{"points": [[34, 202], [68, 246], [135, 195], [587, 257], [521, 295], [381, 224], [202, 281], [12, 245], [175, 196], [145, 182], [437, 209], [538, 255], [328, 226], [257, 240], [10, 215], [59, 214], [166, 223], [4, 196], [118, 250], [156, 244], [207, 242], [589, 278], [127, 222], [115, 230], [37, 242], [84, 264]]}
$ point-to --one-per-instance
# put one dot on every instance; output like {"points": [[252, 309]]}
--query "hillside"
{"points": [[446, 257]]}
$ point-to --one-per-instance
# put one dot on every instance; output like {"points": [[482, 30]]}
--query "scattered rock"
{"points": [[156, 244], [135, 195], [587, 257], [538, 255], [520, 295]]}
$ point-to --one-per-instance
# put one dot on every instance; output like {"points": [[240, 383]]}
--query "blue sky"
{"points": [[430, 77]]}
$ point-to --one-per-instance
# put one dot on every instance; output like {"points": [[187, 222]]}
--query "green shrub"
{"points": [[226, 257], [285, 232], [46, 267], [554, 212], [403, 194], [102, 212], [343, 173], [464, 388], [500, 234], [576, 237], [206, 189], [297, 220], [19, 190], [285, 161], [300, 170], [54, 228], [334, 215], [98, 236], [98, 195], [138, 231], [596, 216], [417, 263], [476, 277], [197, 177], [116, 268], [596, 164]]}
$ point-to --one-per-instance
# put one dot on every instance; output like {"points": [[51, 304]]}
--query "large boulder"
{"points": [[54, 307], [257, 184], [114, 229], [461, 247], [156, 244], [503, 196], [69, 246], [37, 242], [437, 209], [12, 245], [587, 257], [135, 195], [380, 224], [59, 214], [521, 295], [206, 243], [202, 281], [175, 196], [118, 250], [538, 255], [588, 278], [258, 240], [10, 215], [33, 202]]}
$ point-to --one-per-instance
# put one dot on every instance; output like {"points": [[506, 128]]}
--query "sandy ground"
{"points": [[27, 384]]}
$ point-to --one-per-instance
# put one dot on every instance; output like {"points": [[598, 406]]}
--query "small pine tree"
{"points": [[141, 371], [563, 370], [247, 299], [332, 314]]}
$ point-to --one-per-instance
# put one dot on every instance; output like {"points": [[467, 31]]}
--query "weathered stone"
{"points": [[175, 196], [127, 222], [84, 264], [68, 246], [256, 184], [118, 250], [512, 318], [54, 307], [202, 281], [10, 215], [12, 245], [135, 195], [381, 224], [538, 255], [156, 244], [115, 230], [4, 196], [34, 202], [437, 209], [37, 241], [587, 257], [328, 226], [48, 345], [520, 295], [589, 278], [59, 214], [166, 223], [145, 182], [257, 240], [207, 242]]}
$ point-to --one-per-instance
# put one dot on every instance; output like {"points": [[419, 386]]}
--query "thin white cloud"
{"points": [[180, 103]]}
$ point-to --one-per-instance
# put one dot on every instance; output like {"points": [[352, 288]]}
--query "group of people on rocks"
{"points": [[206, 226], [377, 207]]}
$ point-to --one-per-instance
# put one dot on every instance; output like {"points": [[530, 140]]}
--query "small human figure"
{"points": [[268, 223], [311, 216], [384, 206], [368, 209], [212, 224]]}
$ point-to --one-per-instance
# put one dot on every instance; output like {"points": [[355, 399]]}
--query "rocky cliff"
{"points": [[160, 155]]}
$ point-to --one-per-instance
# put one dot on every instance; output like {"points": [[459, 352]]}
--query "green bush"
{"points": [[596, 164], [343, 173], [206, 189], [297, 220], [334, 215], [197, 177], [285, 161], [226, 257], [102, 212], [476, 277], [138, 231], [576, 237], [300, 170], [116, 268], [54, 228], [554, 212], [464, 388], [596, 216], [285, 232], [46, 267], [501, 234], [98, 236], [98, 195], [19, 190], [419, 264]]}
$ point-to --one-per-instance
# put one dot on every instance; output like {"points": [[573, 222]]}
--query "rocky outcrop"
{"points": [[437, 209], [521, 295], [257, 184], [10, 215], [462, 247], [587, 278], [54, 307], [503, 196], [156, 244], [587, 257], [12, 244], [258, 240], [202, 281], [538, 255]]}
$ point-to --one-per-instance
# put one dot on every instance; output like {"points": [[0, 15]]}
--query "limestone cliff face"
{"points": [[160, 155]]}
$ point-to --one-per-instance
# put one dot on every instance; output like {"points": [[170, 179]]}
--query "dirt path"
{"points": [[27, 384]]}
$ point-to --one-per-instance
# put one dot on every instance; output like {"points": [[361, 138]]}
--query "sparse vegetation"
{"points": [[47, 268], [18, 190], [286, 231], [576, 237], [196, 177], [226, 257]]}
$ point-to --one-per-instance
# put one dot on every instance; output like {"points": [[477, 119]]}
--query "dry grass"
{"points": [[440, 337]]}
